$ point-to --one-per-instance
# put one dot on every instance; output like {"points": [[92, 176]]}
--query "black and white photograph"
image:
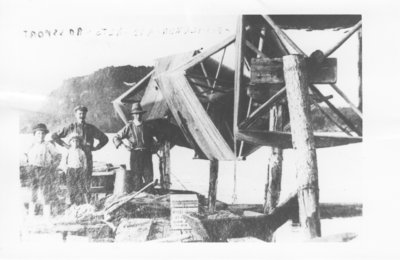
{"points": [[152, 125]]}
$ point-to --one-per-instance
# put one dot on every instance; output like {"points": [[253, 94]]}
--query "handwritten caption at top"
{"points": [[117, 32]]}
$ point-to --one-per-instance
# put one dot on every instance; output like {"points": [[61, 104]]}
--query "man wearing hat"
{"points": [[42, 160], [88, 134], [139, 141]]}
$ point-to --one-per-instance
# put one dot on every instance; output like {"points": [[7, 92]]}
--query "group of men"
{"points": [[79, 139]]}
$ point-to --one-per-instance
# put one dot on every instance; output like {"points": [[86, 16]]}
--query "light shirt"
{"points": [[76, 158], [42, 154]]}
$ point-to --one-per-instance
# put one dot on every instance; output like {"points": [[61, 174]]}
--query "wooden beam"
{"points": [[261, 109], [284, 139], [217, 75], [255, 50], [315, 103], [165, 166], [354, 107], [336, 111], [137, 87], [191, 75], [274, 172], [343, 40], [240, 40], [295, 72], [282, 35], [270, 71], [213, 183], [360, 99], [118, 107], [204, 55]]}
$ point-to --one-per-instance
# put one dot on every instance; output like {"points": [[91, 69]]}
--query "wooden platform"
{"points": [[284, 140]]}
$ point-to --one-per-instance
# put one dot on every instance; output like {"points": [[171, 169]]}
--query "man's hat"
{"points": [[81, 108], [74, 136], [40, 127], [137, 109]]}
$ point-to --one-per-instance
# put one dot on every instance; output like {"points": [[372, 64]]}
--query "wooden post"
{"points": [[274, 175], [121, 181], [212, 190], [238, 73], [165, 166], [360, 70], [295, 73]]}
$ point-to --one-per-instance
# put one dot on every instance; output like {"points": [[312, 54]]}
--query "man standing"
{"points": [[139, 142], [88, 133]]}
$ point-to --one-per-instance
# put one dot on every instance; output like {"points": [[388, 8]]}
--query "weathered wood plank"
{"points": [[354, 29], [360, 97], [284, 140], [212, 188], [316, 91], [274, 173], [270, 71], [240, 40], [191, 116], [204, 55]]}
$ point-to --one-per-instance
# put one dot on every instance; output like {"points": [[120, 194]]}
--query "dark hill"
{"points": [[96, 91]]}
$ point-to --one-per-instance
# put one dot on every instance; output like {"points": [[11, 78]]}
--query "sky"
{"points": [[44, 43]]}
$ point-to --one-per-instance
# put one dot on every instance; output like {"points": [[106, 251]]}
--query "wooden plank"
{"points": [[165, 166], [137, 87], [240, 40], [212, 188], [315, 103], [336, 111], [191, 116], [265, 70], [295, 72], [255, 50], [341, 93], [261, 109], [359, 63], [284, 139], [354, 29], [204, 55], [274, 173], [270, 71]]}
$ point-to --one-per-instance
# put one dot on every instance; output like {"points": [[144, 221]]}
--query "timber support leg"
{"points": [[295, 73], [212, 190], [274, 175]]}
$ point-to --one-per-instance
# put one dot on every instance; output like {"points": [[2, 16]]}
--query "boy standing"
{"points": [[76, 171], [42, 159]]}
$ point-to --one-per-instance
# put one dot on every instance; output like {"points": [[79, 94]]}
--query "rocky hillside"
{"points": [[96, 91]]}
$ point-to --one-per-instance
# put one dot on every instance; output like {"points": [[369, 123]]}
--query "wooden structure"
{"points": [[224, 111]]}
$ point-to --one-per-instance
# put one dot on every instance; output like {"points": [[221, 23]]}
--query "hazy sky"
{"points": [[41, 46]]}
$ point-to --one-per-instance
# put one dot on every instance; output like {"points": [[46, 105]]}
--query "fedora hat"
{"points": [[137, 109], [81, 108], [40, 127]]}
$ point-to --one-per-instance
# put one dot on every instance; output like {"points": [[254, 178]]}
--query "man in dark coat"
{"points": [[88, 134], [139, 142]]}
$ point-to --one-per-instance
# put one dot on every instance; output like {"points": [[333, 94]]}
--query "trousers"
{"points": [[76, 185], [141, 169], [43, 178]]}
